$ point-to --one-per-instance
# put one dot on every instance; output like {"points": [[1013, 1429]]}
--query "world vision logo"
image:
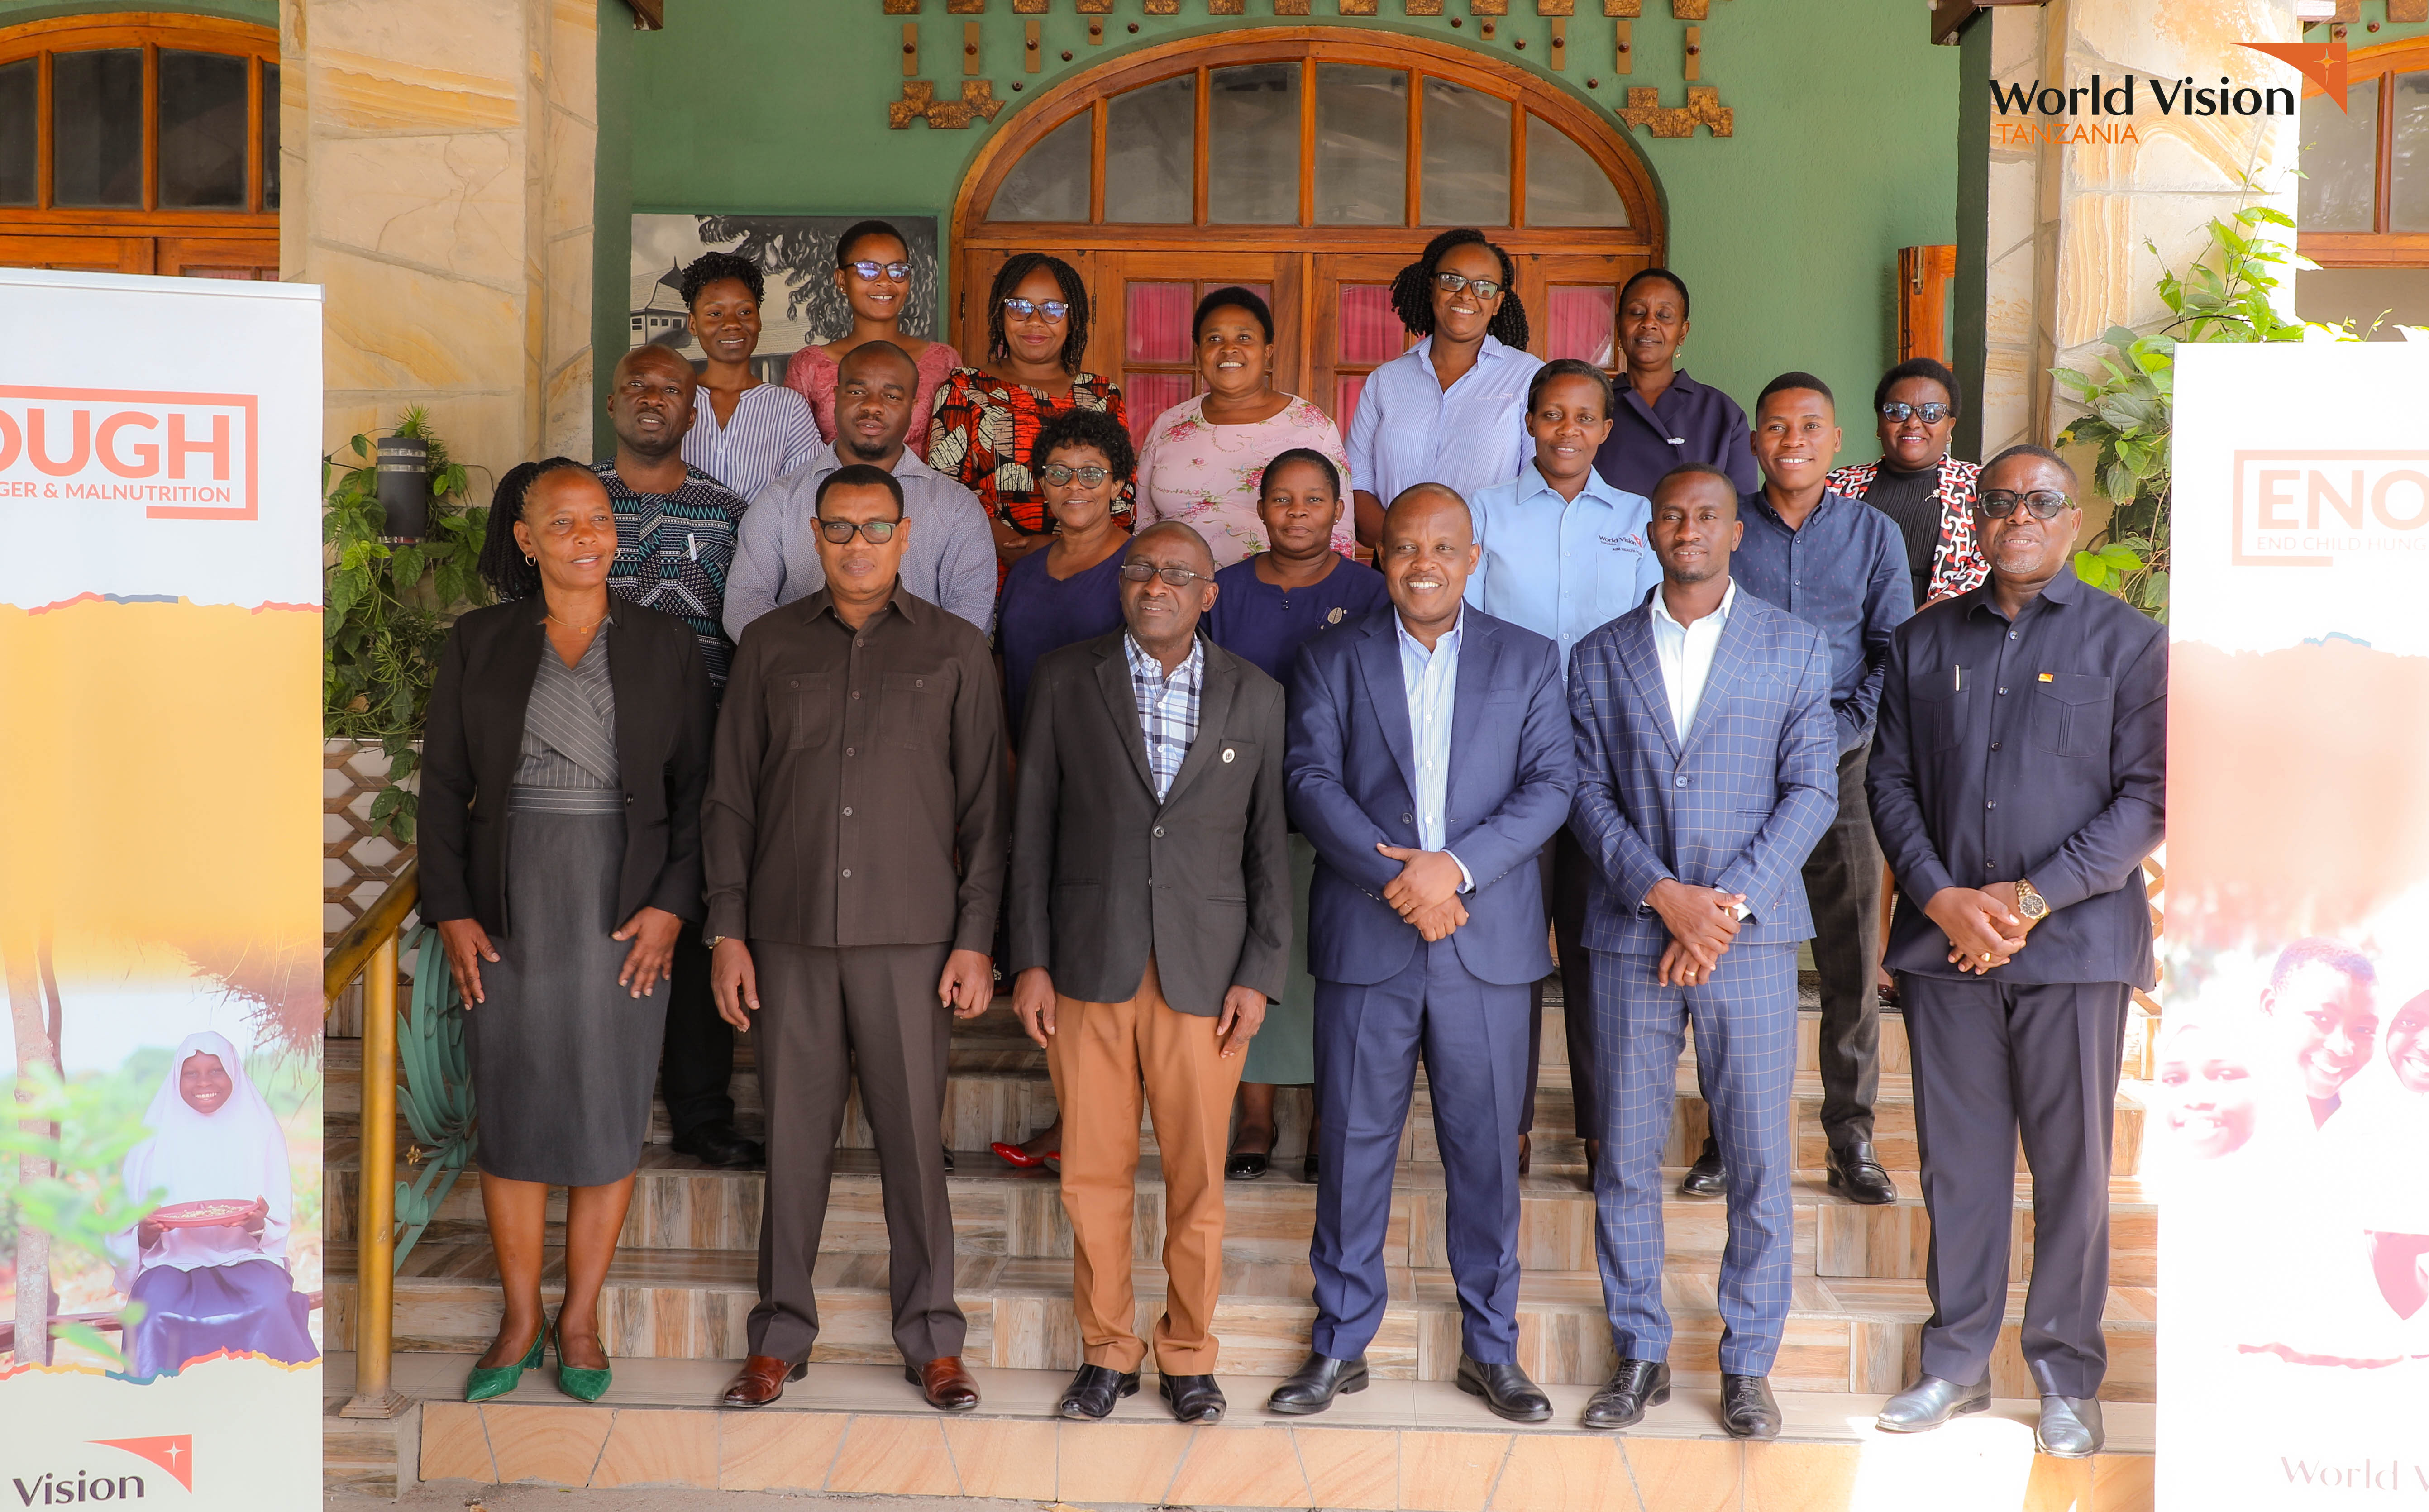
{"points": [[2109, 112], [84, 1486]]}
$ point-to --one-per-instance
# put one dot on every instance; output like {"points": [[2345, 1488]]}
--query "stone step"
{"points": [[1843, 1334], [677, 1204], [1004, 1094], [858, 1430]]}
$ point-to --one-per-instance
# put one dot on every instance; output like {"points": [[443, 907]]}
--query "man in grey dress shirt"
{"points": [[950, 558]]}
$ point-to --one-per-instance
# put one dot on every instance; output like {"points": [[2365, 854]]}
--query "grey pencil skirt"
{"points": [[563, 1058]]}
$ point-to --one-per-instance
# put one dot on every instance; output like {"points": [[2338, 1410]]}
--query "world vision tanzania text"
{"points": [[2103, 109]]}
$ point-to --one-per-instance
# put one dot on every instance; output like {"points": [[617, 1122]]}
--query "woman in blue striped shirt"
{"points": [[748, 431]]}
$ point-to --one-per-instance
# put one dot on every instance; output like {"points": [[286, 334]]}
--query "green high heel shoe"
{"points": [[499, 1380], [574, 1380]]}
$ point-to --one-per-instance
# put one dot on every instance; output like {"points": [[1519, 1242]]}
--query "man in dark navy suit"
{"points": [[1429, 759], [1707, 767]]}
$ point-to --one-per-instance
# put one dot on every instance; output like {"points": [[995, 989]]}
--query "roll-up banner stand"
{"points": [[2292, 1138], [160, 1264]]}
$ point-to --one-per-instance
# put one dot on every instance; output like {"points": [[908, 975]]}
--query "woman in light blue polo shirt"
{"points": [[1452, 409]]}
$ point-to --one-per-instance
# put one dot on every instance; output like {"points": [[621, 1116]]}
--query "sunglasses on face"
{"points": [[1932, 413], [2043, 502], [1057, 475], [1178, 577], [877, 532], [1021, 309], [868, 270], [1453, 283]]}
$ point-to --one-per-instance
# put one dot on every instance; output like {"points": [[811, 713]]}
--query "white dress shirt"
{"points": [[1686, 653], [1430, 679]]}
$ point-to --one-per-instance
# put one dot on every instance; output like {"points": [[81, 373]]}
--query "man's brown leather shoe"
{"points": [[944, 1383], [761, 1381]]}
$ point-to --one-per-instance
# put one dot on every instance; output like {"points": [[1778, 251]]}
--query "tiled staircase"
{"points": [[683, 1282]]}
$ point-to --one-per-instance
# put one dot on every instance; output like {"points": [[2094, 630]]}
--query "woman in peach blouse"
{"points": [[1203, 457], [873, 272]]}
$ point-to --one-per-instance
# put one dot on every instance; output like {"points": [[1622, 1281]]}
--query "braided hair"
{"points": [[1075, 293], [1413, 290], [713, 267], [510, 574]]}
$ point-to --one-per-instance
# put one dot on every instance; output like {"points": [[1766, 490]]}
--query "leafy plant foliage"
{"points": [[389, 606]]}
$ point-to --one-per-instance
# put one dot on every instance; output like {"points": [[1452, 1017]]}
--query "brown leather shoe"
{"points": [[944, 1383], [761, 1381]]}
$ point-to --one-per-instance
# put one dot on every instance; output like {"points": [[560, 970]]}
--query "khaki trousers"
{"points": [[1102, 1055]]}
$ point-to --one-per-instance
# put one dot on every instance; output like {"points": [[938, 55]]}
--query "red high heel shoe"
{"points": [[1020, 1159]]}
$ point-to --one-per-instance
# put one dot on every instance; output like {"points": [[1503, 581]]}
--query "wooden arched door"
{"points": [[1311, 164]]}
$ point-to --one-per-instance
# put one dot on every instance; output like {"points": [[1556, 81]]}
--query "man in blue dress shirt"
{"points": [[1429, 757], [1840, 565], [1564, 553]]}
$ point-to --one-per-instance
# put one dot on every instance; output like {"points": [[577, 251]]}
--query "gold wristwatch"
{"points": [[2030, 903]]}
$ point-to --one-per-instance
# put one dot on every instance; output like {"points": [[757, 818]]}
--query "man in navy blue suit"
{"points": [[1708, 766], [1429, 759]]}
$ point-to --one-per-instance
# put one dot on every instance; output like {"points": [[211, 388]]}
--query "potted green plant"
{"points": [[390, 602]]}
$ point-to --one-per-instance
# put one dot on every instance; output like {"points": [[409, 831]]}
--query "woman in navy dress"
{"points": [[1265, 607], [1069, 592]]}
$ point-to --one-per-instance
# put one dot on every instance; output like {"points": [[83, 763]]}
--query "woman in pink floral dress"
{"points": [[1203, 457]]}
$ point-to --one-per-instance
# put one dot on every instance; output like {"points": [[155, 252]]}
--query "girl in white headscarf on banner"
{"points": [[208, 1262]]}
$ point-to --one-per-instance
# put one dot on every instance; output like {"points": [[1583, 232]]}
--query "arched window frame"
{"points": [[2379, 247], [233, 242]]}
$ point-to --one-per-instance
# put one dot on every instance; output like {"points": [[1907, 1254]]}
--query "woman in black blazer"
{"points": [[562, 769]]}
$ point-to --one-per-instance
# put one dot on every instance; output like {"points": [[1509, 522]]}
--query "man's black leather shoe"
{"points": [[1314, 1385], [1193, 1398], [1505, 1390], [2069, 1427], [1747, 1410], [1930, 1401], [1856, 1170], [1707, 1176], [717, 1145], [1636, 1384], [1095, 1389]]}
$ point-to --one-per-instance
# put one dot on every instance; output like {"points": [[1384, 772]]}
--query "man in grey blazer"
{"points": [[1707, 768], [1149, 924]]}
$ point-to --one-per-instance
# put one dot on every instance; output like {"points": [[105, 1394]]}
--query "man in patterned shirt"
{"points": [[674, 541]]}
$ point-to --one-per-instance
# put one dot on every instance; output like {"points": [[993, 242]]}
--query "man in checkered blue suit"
{"points": [[1706, 770]]}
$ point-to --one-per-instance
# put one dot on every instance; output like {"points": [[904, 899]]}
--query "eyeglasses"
{"points": [[1932, 413], [877, 532], [1021, 309], [868, 270], [1453, 283], [2043, 502], [1057, 475], [1176, 576]]}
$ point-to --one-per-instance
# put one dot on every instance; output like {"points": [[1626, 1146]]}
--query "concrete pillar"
{"points": [[438, 163], [2075, 236]]}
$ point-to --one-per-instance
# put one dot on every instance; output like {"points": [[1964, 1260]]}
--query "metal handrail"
{"points": [[368, 948]]}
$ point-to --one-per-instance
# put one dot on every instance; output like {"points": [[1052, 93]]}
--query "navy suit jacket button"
{"points": [[1408, 818]]}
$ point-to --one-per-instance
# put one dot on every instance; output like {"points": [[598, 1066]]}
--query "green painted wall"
{"points": [[1845, 146], [261, 12]]}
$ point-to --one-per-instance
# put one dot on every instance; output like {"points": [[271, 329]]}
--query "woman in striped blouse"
{"points": [[745, 431]]}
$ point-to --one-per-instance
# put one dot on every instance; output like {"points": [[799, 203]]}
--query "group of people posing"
{"points": [[832, 711]]}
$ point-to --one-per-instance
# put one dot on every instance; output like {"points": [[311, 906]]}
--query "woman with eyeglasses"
{"points": [[1202, 457], [744, 431], [1917, 483], [873, 272], [1452, 409], [1663, 417], [1070, 591], [986, 419]]}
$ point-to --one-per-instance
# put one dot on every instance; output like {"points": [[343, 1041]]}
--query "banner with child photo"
{"points": [[2292, 1136], [161, 1236]]}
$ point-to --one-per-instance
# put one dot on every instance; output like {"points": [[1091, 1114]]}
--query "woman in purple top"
{"points": [[1265, 607], [1070, 591], [1663, 417]]}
